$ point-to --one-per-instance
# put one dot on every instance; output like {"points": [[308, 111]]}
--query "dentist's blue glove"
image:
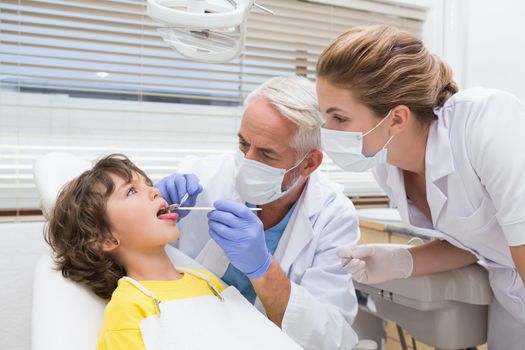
{"points": [[175, 186], [239, 232]]}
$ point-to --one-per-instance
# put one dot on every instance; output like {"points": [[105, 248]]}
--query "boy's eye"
{"points": [[131, 191]]}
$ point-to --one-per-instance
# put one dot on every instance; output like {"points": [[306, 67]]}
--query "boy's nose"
{"points": [[155, 192]]}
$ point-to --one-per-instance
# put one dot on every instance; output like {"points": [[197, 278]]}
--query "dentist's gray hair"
{"points": [[295, 98]]}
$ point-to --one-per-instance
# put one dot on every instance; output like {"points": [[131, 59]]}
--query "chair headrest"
{"points": [[52, 171]]}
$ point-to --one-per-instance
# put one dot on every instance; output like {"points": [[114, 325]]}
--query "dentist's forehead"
{"points": [[263, 125]]}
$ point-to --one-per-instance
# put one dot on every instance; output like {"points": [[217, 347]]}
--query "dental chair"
{"points": [[65, 314]]}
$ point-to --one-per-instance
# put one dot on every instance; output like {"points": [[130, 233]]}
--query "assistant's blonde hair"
{"points": [[385, 67]]}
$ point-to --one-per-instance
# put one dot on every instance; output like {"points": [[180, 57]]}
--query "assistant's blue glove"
{"points": [[174, 187], [239, 232]]}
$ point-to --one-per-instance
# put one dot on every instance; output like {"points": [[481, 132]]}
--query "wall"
{"points": [[482, 40], [20, 247], [495, 46]]}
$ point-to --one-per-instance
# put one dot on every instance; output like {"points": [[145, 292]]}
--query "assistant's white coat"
{"points": [[475, 167]]}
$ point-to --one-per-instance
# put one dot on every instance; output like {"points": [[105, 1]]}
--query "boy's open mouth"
{"points": [[163, 210], [165, 214]]}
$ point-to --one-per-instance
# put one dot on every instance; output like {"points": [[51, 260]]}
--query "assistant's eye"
{"points": [[338, 119], [131, 191]]}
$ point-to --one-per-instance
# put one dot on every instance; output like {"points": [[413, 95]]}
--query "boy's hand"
{"points": [[175, 186]]}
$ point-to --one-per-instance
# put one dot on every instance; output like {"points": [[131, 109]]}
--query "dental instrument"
{"points": [[183, 199], [176, 207]]}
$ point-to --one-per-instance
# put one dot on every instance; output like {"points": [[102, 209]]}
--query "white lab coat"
{"points": [[475, 181], [322, 304]]}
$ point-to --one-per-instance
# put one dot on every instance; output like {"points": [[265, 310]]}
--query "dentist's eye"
{"points": [[131, 191], [267, 156], [243, 146]]}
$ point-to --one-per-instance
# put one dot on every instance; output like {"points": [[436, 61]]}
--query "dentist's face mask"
{"points": [[345, 148], [259, 183]]}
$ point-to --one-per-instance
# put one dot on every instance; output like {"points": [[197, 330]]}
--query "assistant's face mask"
{"points": [[345, 148], [259, 183]]}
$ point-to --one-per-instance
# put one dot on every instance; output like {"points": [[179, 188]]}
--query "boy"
{"points": [[111, 222]]}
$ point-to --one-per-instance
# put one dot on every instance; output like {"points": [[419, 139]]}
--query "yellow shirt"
{"points": [[128, 306]]}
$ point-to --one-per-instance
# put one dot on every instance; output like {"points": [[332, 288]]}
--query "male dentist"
{"points": [[282, 258]]}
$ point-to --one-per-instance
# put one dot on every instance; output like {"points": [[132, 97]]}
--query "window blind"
{"points": [[54, 52]]}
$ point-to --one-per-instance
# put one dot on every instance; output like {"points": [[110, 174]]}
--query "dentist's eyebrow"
{"points": [[267, 150], [260, 149], [242, 138]]}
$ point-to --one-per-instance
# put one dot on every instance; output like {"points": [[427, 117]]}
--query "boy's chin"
{"points": [[174, 237], [166, 235]]}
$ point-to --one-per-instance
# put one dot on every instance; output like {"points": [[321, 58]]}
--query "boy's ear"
{"points": [[110, 244]]}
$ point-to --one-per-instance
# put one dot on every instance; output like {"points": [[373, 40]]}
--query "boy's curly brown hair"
{"points": [[78, 226]]}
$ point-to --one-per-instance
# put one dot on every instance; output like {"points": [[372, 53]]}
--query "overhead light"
{"points": [[204, 30], [102, 74]]}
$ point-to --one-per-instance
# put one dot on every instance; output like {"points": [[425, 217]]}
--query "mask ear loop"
{"points": [[390, 139], [381, 122], [295, 166], [298, 163]]}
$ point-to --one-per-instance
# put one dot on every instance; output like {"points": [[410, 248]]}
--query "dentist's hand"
{"points": [[175, 186], [376, 263], [239, 232]]}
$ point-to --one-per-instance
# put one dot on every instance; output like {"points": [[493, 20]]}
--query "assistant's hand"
{"points": [[376, 263], [239, 232], [175, 186]]}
